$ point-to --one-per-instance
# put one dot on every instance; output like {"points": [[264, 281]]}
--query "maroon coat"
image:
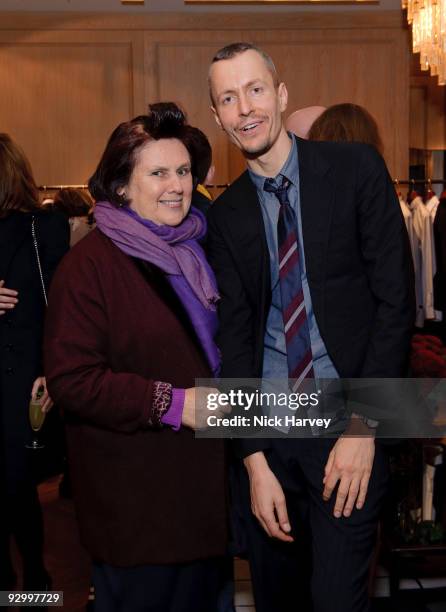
{"points": [[142, 496]]}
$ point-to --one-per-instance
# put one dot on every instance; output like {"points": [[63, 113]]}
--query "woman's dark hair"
{"points": [[18, 189], [200, 151], [165, 120], [73, 202], [347, 123]]}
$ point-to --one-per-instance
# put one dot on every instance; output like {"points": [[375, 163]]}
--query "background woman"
{"points": [[347, 123], [22, 309], [131, 325]]}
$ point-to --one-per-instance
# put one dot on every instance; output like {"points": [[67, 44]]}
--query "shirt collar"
{"points": [[288, 170]]}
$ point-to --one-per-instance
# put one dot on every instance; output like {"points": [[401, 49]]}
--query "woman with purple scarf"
{"points": [[130, 326]]}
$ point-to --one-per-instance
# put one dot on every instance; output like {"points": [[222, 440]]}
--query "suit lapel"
{"points": [[248, 231], [14, 230], [245, 224], [317, 194]]}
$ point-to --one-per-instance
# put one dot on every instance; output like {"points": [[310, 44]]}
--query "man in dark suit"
{"points": [[313, 266]]}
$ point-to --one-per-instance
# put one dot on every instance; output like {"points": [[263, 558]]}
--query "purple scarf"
{"points": [[174, 250]]}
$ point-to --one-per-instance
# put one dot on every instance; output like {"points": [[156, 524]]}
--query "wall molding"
{"points": [[203, 21], [325, 58]]}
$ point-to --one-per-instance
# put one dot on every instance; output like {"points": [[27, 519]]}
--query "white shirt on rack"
{"points": [[432, 206], [423, 228], [415, 247]]}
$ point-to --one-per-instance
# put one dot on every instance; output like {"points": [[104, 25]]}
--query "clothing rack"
{"points": [[427, 181], [57, 187]]}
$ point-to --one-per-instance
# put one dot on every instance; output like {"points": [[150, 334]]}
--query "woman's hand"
{"points": [[45, 401], [8, 298], [196, 407]]}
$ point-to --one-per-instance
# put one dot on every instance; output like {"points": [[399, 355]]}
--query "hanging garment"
{"points": [[415, 247], [423, 228], [440, 250], [432, 205]]}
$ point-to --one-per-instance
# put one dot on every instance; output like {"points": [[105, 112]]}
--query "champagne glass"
{"points": [[36, 419]]}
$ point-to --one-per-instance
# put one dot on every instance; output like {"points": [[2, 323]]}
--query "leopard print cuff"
{"points": [[162, 399]]}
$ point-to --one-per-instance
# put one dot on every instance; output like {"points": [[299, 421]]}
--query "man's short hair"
{"points": [[238, 48]]}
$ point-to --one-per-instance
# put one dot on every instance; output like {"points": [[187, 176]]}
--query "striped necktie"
{"points": [[297, 334]]}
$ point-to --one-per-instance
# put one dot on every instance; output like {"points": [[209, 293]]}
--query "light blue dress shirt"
{"points": [[275, 359]]}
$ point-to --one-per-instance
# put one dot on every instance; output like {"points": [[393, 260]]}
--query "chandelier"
{"points": [[428, 19]]}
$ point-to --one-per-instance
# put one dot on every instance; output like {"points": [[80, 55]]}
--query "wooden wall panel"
{"points": [[418, 107], [189, 89], [436, 118], [62, 98], [347, 67], [427, 115], [427, 110], [81, 75], [367, 67]]}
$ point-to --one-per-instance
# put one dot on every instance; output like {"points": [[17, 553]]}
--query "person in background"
{"points": [[300, 122], [204, 169], [77, 206], [140, 299], [347, 123], [22, 310]]}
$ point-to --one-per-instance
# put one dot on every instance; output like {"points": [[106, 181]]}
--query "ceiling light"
{"points": [[428, 19]]}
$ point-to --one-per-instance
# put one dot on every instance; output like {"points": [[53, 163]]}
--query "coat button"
{"points": [[9, 370], [8, 347]]}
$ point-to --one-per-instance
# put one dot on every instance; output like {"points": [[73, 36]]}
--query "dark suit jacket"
{"points": [[357, 258], [21, 329], [200, 201], [142, 495]]}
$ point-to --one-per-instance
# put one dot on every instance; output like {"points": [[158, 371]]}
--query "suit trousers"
{"points": [[326, 568], [185, 587]]}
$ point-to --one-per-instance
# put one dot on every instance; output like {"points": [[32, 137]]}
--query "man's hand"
{"points": [[196, 410], [8, 298], [45, 401], [350, 462], [267, 499]]}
